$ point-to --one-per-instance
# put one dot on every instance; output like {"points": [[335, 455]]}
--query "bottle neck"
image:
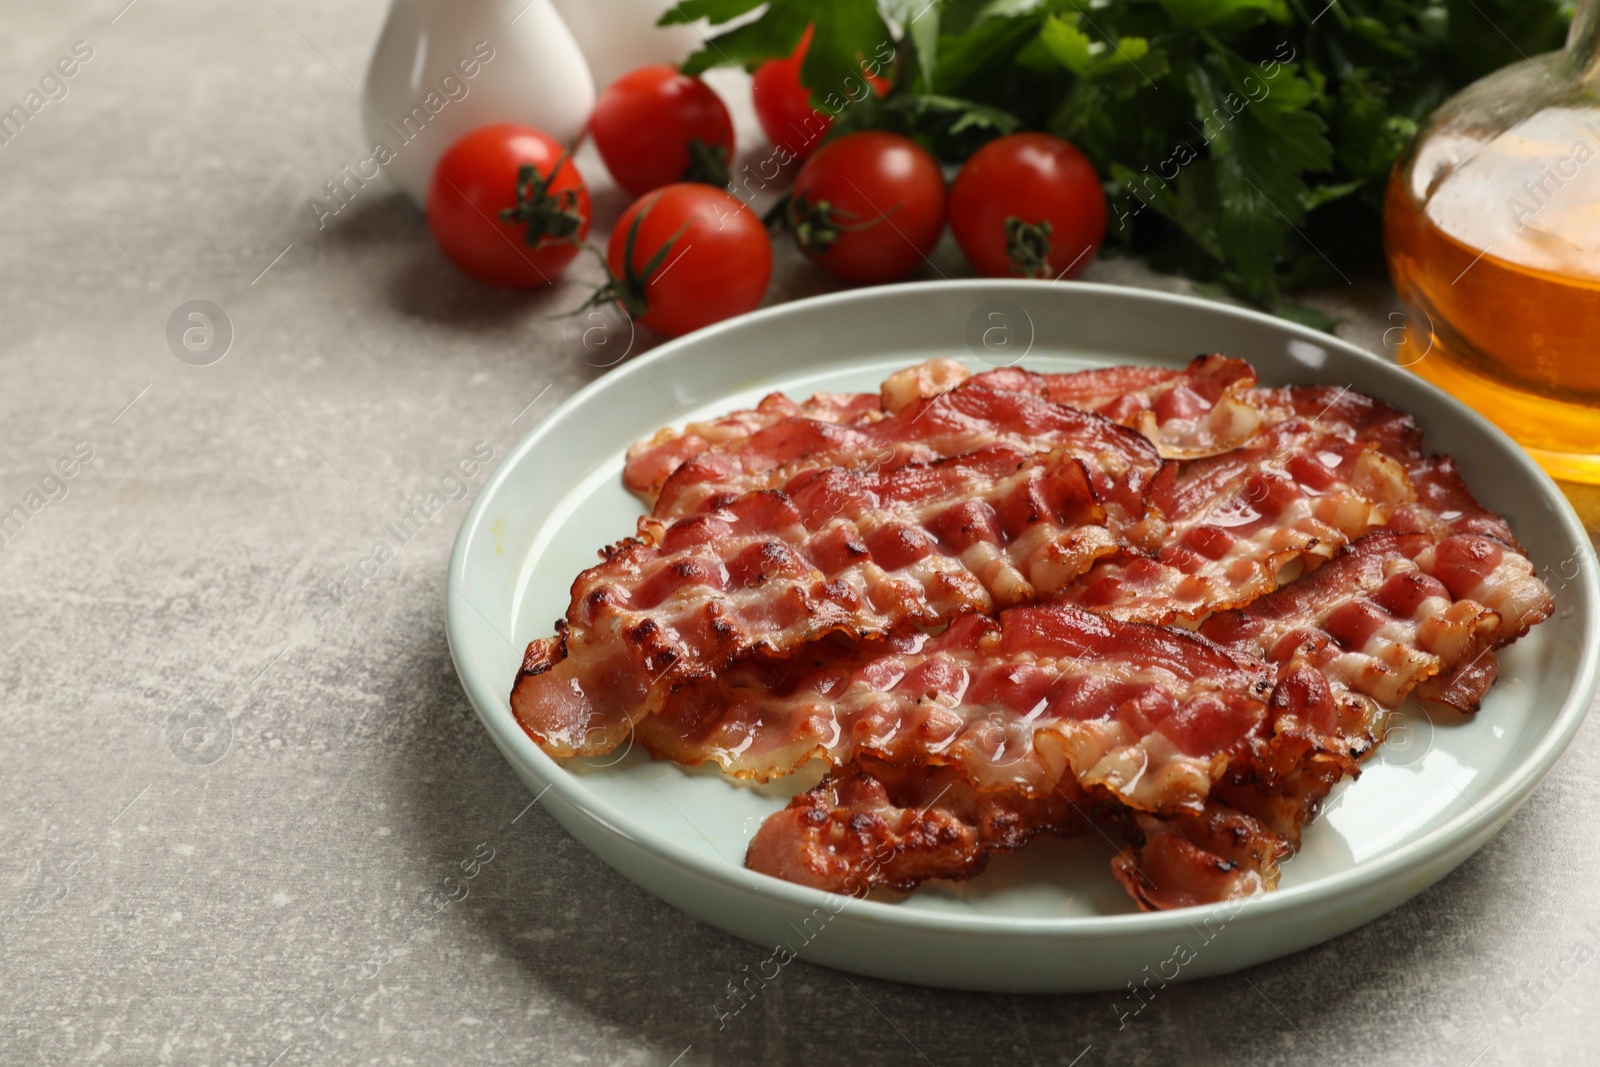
{"points": [[1583, 42]]}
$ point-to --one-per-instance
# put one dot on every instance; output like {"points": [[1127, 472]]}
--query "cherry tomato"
{"points": [[783, 104], [868, 207], [506, 204], [655, 126], [1028, 204], [688, 255]]}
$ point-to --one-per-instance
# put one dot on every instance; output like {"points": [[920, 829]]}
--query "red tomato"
{"points": [[655, 126], [784, 105], [868, 207], [688, 255], [1030, 205], [506, 204]]}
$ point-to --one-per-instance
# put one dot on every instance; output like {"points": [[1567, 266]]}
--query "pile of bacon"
{"points": [[1172, 606]]}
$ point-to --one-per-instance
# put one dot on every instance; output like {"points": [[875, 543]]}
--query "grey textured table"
{"points": [[204, 570]]}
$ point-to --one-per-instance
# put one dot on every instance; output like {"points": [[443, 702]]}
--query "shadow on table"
{"points": [[418, 282], [578, 949]]}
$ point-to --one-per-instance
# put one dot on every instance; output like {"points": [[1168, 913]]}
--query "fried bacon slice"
{"points": [[1494, 574], [1382, 616], [875, 824], [1191, 859], [837, 551], [1235, 521], [1047, 693], [1202, 410], [1443, 507], [1345, 644], [970, 417], [1387, 617], [1205, 409], [650, 462], [778, 608], [1350, 641], [1481, 559]]}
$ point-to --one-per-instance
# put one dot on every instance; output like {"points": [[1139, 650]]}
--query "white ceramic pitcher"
{"points": [[621, 35], [444, 67]]}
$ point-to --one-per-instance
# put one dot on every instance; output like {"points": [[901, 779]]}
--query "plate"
{"points": [[1051, 918]]}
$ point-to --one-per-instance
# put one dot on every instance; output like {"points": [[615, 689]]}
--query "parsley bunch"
{"points": [[1244, 143]]}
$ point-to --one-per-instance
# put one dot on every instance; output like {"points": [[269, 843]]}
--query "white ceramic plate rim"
{"points": [[490, 696]]}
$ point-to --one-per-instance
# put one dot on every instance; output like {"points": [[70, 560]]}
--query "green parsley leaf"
{"points": [[1246, 143]]}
